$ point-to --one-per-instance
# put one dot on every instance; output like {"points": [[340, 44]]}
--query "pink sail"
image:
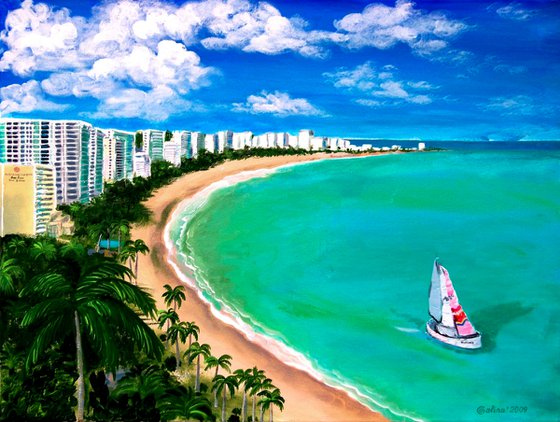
{"points": [[464, 327]]}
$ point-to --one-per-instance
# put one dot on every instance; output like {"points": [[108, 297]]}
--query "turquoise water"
{"points": [[334, 259]]}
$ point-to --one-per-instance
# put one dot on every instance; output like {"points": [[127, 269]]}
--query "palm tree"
{"points": [[223, 361], [128, 253], [174, 296], [9, 271], [193, 330], [17, 245], [42, 251], [122, 227], [222, 385], [88, 296], [269, 400], [195, 351], [254, 380], [139, 247], [169, 317], [183, 404], [244, 377], [258, 385], [178, 331]]}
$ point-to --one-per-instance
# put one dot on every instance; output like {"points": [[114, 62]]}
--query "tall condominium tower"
{"points": [[65, 144], [27, 198], [153, 143]]}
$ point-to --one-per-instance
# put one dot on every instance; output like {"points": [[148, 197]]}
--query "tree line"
{"points": [[79, 334]]}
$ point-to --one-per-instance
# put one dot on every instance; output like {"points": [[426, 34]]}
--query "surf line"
{"points": [[186, 272]]}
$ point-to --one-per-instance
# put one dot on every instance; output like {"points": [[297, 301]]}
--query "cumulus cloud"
{"points": [[277, 103], [384, 26], [26, 98], [135, 48], [514, 11], [380, 84]]}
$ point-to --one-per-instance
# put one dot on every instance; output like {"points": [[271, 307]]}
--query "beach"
{"points": [[307, 399]]}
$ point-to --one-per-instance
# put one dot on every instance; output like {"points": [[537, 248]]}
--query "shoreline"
{"points": [[308, 396]]}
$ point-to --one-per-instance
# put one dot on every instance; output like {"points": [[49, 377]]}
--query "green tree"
{"points": [[174, 295], [193, 330], [221, 385], [88, 297], [269, 399], [138, 140], [244, 377], [168, 136], [196, 350], [183, 403], [224, 362], [259, 383], [178, 332]]}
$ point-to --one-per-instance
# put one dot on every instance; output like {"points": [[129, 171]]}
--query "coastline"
{"points": [[307, 398]]}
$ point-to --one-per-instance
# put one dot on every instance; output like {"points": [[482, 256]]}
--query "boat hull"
{"points": [[471, 342]]}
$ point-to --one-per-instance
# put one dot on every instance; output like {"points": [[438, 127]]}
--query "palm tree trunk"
{"points": [[262, 413], [271, 413], [136, 268], [224, 404], [254, 409], [244, 407], [177, 354], [81, 391], [197, 383], [188, 350], [216, 391]]}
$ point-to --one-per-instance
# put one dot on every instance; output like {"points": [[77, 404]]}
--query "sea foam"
{"points": [[188, 272]]}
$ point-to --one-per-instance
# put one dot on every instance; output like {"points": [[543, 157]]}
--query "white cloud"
{"points": [[26, 98], [514, 11], [519, 105], [123, 50], [38, 38], [382, 86], [277, 103], [384, 26], [512, 70], [155, 105], [134, 48]]}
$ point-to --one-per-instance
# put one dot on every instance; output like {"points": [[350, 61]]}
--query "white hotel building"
{"points": [[71, 146]]}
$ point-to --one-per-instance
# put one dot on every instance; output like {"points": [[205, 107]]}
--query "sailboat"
{"points": [[449, 323]]}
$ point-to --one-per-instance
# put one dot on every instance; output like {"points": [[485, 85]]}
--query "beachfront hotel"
{"points": [[81, 158], [71, 146], [27, 198]]}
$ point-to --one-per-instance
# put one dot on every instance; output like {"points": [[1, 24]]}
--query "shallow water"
{"points": [[334, 259]]}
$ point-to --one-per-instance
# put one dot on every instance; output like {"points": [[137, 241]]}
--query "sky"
{"points": [[428, 70]]}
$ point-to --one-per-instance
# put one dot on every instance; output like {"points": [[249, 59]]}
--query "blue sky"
{"points": [[427, 70]]}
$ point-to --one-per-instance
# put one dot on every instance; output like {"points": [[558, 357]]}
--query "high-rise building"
{"points": [[153, 143], [118, 150], [304, 139], [241, 140], [182, 137], [27, 198], [211, 143], [318, 143], [95, 165], [172, 152], [65, 144], [197, 142], [225, 140], [282, 140], [142, 164]]}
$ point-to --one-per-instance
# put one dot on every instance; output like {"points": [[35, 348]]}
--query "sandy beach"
{"points": [[307, 399]]}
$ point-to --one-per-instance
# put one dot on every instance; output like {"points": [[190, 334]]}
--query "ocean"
{"points": [[333, 260]]}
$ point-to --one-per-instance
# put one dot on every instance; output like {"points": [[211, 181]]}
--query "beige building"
{"points": [[27, 198]]}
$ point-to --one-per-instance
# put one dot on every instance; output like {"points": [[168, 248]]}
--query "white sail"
{"points": [[435, 295]]}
